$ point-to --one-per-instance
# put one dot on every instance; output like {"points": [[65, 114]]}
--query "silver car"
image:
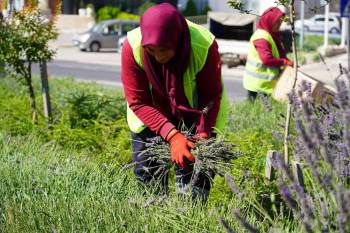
{"points": [[104, 35], [317, 23]]}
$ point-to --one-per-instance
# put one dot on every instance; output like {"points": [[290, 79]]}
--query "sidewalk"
{"points": [[326, 73]]}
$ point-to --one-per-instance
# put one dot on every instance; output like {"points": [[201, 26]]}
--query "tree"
{"points": [[107, 12], [23, 41], [191, 9], [144, 7], [4, 4], [206, 9], [173, 2]]}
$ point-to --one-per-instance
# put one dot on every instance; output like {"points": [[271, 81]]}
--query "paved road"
{"points": [[104, 68]]}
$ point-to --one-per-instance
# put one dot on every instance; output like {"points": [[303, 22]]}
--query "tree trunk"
{"points": [[289, 107], [45, 90], [31, 93]]}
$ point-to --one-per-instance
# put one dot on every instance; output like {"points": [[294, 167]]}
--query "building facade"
{"points": [[259, 6], [17, 5]]}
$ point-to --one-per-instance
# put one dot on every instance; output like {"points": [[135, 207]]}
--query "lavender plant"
{"points": [[321, 144]]}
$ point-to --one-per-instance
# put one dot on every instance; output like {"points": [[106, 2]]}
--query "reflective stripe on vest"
{"points": [[257, 76], [201, 40]]}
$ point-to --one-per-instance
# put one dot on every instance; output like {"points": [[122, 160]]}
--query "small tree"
{"points": [[4, 4], [206, 9], [23, 41], [191, 9], [145, 6]]}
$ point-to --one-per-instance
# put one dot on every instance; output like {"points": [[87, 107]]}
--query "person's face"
{"points": [[277, 25], [161, 54]]}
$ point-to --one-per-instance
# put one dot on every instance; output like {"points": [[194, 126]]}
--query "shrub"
{"points": [[311, 43], [85, 117], [144, 7], [125, 15], [107, 12], [206, 9], [316, 57], [191, 9]]}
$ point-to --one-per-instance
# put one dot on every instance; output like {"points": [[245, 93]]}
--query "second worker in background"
{"points": [[266, 56]]}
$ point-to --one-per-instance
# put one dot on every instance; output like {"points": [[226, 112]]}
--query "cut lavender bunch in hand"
{"points": [[212, 155]]}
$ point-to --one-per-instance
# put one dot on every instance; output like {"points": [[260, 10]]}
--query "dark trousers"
{"points": [[252, 95], [147, 171]]}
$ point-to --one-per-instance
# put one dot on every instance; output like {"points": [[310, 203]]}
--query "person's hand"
{"points": [[179, 148], [288, 62], [200, 136]]}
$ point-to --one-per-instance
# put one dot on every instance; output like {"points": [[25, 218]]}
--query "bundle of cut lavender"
{"points": [[212, 155]]}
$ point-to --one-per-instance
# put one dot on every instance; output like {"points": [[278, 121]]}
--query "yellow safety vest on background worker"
{"points": [[201, 40], [257, 76]]}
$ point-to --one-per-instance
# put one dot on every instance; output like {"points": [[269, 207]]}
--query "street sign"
{"points": [[345, 8]]}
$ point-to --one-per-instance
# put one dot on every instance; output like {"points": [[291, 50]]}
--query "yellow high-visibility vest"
{"points": [[201, 40], [257, 76]]}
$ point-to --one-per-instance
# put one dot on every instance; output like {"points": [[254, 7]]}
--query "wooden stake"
{"points": [[269, 170], [298, 174]]}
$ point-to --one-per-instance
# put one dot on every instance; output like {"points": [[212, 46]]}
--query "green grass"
{"points": [[311, 43], [47, 189], [68, 176]]}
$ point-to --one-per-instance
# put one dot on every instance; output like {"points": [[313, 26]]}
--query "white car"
{"points": [[316, 23], [104, 35], [121, 41]]}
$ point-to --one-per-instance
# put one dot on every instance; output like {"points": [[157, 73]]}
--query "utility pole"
{"points": [[344, 29], [348, 42], [302, 14], [326, 25], [11, 8], [345, 13]]}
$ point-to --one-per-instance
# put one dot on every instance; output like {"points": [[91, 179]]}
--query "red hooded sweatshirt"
{"points": [[161, 107], [268, 19]]}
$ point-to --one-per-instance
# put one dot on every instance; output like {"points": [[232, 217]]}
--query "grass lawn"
{"points": [[68, 176]]}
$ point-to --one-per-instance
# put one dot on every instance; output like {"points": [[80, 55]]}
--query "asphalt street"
{"points": [[105, 68]]}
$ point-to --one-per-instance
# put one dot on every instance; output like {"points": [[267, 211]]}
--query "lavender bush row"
{"points": [[321, 144]]}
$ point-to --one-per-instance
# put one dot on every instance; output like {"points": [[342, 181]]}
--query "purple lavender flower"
{"points": [[284, 190], [234, 188], [226, 226], [250, 228]]}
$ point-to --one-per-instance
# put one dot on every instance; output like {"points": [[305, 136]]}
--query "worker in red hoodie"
{"points": [[266, 56], [171, 73]]}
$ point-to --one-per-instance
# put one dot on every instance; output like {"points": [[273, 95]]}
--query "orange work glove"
{"points": [[179, 148], [201, 136], [287, 62]]}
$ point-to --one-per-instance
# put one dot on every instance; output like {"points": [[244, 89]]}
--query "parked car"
{"points": [[104, 35], [121, 41], [316, 23]]}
